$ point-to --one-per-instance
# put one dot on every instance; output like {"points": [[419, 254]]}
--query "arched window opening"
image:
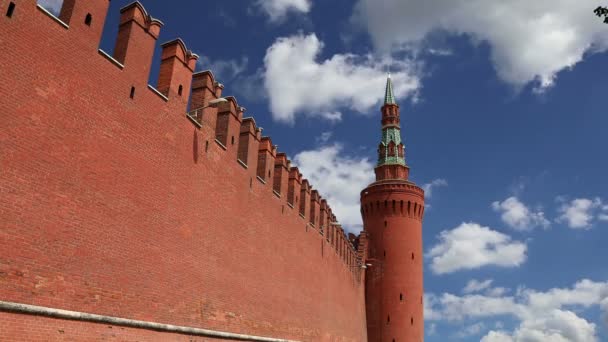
{"points": [[401, 207], [88, 19], [412, 321], [206, 145], [401, 297], [180, 90], [132, 94], [409, 205], [388, 319], [232, 140], [412, 256]]}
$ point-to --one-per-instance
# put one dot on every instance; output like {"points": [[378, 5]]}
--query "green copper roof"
{"points": [[390, 135], [389, 97]]}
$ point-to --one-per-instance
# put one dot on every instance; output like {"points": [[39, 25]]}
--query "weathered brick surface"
{"points": [[123, 207]]}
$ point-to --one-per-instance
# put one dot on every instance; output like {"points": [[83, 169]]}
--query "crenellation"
{"points": [[249, 144], [294, 187], [305, 199], [228, 126], [315, 210], [136, 41], [266, 160], [281, 175], [176, 69], [86, 19]]}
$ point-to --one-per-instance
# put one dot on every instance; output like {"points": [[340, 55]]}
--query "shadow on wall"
{"points": [[195, 147]]}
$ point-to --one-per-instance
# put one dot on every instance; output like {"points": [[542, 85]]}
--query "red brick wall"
{"points": [[111, 205]]}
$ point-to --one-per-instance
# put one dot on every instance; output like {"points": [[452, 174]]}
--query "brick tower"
{"points": [[392, 208]]}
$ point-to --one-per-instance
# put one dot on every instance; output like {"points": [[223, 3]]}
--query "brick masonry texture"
{"points": [[123, 207]]}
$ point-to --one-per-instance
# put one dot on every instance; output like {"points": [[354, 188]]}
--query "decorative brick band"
{"points": [[93, 318]]}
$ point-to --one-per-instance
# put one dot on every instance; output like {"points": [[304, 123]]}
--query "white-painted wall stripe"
{"points": [[87, 317]]}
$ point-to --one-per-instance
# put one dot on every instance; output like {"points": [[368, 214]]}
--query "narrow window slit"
{"points": [[10, 10], [180, 90], [88, 19], [132, 95]]}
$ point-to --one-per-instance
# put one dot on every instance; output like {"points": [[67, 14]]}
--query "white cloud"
{"points": [[471, 246], [225, 70], [324, 137], [471, 330], [543, 316], [557, 326], [53, 6], [580, 213], [497, 336], [277, 10], [428, 188], [339, 179], [475, 285], [517, 216], [529, 40], [297, 81]]}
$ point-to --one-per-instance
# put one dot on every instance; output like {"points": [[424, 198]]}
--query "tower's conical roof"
{"points": [[389, 97]]}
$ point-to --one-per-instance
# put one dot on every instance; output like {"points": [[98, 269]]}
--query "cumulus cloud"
{"points": [[471, 246], [428, 188], [542, 315], [580, 213], [54, 6], [471, 330], [518, 216], [475, 285], [339, 179], [529, 40], [225, 70], [298, 81], [277, 10], [558, 326]]}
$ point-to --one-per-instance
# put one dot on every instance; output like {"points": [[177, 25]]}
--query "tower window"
{"points": [[388, 319], [401, 297], [385, 224], [180, 90], [132, 95], [412, 256], [11, 9], [206, 145], [412, 321], [232, 140], [88, 19]]}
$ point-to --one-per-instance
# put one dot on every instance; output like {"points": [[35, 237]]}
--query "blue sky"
{"points": [[504, 120]]}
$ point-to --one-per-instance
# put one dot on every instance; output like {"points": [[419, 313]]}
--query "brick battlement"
{"points": [[119, 199]]}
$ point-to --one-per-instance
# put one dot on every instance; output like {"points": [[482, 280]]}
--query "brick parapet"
{"points": [[146, 202]]}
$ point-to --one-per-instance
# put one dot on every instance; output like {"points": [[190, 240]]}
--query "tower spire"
{"points": [[391, 150], [389, 97]]}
